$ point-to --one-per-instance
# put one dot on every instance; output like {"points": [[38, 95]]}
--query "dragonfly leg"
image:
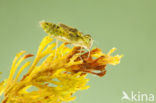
{"points": [[88, 54]]}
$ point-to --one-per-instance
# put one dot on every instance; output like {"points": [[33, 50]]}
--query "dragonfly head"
{"points": [[88, 41]]}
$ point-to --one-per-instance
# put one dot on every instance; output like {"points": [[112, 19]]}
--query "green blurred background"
{"points": [[128, 25]]}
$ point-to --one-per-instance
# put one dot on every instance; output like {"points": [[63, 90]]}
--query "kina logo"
{"points": [[137, 97]]}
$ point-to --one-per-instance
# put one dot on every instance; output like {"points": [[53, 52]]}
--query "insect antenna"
{"points": [[81, 53], [88, 54]]}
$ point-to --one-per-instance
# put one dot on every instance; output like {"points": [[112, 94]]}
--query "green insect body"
{"points": [[67, 34]]}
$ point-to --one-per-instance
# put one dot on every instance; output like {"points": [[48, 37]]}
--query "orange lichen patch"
{"points": [[61, 73]]}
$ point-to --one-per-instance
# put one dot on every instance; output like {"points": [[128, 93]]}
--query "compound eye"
{"points": [[88, 36]]}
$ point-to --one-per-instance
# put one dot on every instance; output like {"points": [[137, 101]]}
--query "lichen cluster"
{"points": [[56, 73]]}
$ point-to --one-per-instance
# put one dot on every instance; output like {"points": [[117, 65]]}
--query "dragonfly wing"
{"points": [[71, 31]]}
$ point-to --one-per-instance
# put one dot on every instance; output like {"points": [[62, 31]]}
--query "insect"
{"points": [[67, 34]]}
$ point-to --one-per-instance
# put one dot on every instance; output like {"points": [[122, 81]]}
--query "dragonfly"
{"points": [[68, 34]]}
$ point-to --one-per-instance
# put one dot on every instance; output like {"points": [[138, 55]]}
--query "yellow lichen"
{"points": [[62, 72]]}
